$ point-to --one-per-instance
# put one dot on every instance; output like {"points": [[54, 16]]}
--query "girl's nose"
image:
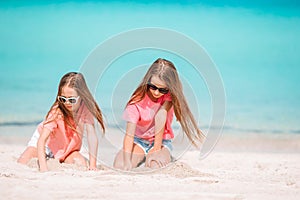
{"points": [[156, 92]]}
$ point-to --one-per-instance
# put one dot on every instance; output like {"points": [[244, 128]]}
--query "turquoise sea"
{"points": [[255, 46]]}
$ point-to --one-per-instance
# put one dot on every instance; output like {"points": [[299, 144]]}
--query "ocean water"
{"points": [[255, 46]]}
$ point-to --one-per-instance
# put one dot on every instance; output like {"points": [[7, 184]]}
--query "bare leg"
{"points": [[27, 155], [137, 156], [76, 157]]}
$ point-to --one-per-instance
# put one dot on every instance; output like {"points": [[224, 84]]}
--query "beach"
{"points": [[247, 166], [254, 50]]}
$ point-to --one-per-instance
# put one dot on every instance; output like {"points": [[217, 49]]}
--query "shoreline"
{"points": [[228, 140]]}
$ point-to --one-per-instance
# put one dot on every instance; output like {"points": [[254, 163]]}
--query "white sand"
{"points": [[248, 167]]}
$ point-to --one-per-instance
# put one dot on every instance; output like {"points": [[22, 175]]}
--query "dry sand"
{"points": [[251, 166]]}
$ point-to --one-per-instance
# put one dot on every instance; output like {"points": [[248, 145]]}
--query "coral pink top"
{"points": [[143, 114], [63, 140]]}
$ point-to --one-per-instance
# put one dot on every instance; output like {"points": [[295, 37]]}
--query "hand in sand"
{"points": [[161, 157]]}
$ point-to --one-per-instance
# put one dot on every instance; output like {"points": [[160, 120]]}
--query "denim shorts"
{"points": [[146, 145]]}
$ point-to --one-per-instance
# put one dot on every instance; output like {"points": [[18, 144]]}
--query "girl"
{"points": [[60, 135], [149, 114]]}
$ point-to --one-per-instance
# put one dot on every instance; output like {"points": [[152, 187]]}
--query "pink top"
{"points": [[143, 115], [63, 140]]}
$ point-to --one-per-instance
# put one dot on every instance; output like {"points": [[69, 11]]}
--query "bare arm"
{"points": [[160, 157], [128, 144], [160, 122], [93, 146], [41, 149]]}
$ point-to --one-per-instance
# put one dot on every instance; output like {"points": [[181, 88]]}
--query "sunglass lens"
{"points": [[153, 87], [62, 100], [72, 100], [163, 91]]}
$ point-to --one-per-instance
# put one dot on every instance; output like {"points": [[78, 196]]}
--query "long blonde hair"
{"points": [[76, 81], [166, 71]]}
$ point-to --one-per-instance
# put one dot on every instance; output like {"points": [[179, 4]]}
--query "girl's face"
{"points": [[70, 99], [158, 84]]}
